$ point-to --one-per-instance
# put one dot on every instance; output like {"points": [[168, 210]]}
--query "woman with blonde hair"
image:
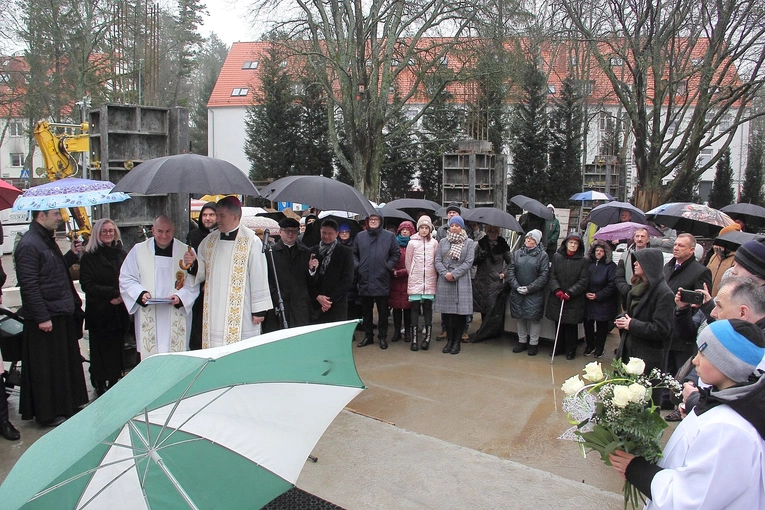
{"points": [[106, 317]]}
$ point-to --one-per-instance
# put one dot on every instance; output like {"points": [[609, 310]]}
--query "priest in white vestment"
{"points": [[158, 291], [233, 266]]}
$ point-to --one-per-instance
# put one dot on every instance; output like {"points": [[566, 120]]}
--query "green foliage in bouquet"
{"points": [[615, 412]]}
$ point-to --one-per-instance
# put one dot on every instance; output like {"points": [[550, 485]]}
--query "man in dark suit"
{"points": [[684, 271], [290, 257], [331, 266]]}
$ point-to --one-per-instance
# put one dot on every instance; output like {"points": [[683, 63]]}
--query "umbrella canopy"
{"points": [[186, 173], [607, 214], [732, 240], [624, 230], [225, 427], [589, 196], [752, 214], [392, 213], [420, 204], [441, 212], [696, 219], [533, 206], [317, 191], [8, 195], [493, 216], [261, 223], [69, 192]]}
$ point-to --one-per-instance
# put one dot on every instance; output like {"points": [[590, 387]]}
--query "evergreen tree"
{"points": [[529, 141], [751, 191], [272, 122], [210, 62], [438, 135], [187, 42], [397, 171], [314, 154], [721, 193], [565, 171]]}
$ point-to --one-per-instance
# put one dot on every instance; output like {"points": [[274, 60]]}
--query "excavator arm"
{"points": [[57, 150]]}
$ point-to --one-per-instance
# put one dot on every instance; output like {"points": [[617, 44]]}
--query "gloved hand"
{"points": [[560, 295], [566, 296], [522, 291]]}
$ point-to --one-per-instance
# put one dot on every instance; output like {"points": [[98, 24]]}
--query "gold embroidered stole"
{"points": [[237, 283], [148, 314]]}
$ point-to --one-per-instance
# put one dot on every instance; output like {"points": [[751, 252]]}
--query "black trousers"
{"points": [[367, 306], [595, 333], [427, 312]]}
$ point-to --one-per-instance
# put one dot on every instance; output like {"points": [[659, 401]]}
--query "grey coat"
{"points": [[454, 297], [530, 269]]}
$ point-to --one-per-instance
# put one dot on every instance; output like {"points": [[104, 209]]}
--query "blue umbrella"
{"points": [[66, 193], [589, 196]]}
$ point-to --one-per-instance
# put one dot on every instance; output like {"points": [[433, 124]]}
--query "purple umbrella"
{"points": [[624, 230]]}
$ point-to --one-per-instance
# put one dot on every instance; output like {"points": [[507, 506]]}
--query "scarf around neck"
{"points": [[325, 251], [402, 241], [456, 240]]}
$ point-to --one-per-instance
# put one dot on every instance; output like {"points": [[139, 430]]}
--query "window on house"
{"points": [[17, 159], [586, 87], [550, 89], [725, 123], [392, 90], [298, 89], [617, 61], [283, 64], [572, 62], [15, 128], [250, 64], [682, 88], [395, 62], [444, 60], [240, 92], [696, 62], [5, 77], [606, 121]]}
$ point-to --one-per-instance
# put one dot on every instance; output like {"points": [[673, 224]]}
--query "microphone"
{"points": [[266, 234]]}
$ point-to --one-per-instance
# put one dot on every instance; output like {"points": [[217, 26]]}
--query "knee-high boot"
{"points": [[425, 337], [413, 332]]}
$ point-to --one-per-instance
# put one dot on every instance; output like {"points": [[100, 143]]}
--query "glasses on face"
{"points": [[108, 231], [291, 231]]}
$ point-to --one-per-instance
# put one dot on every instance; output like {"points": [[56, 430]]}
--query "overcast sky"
{"points": [[228, 20]]}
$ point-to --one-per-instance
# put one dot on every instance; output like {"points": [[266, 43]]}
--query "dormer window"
{"points": [[239, 92], [250, 64]]}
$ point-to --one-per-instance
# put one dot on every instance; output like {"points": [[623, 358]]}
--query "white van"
{"points": [[14, 222]]}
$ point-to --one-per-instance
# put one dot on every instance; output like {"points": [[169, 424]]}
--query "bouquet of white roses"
{"points": [[616, 412]]}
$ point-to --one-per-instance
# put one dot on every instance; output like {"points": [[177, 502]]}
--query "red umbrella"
{"points": [[8, 195]]}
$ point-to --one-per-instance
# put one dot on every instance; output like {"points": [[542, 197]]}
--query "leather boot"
{"points": [[383, 343], [449, 342], [425, 337], [457, 341], [410, 333], [413, 332]]}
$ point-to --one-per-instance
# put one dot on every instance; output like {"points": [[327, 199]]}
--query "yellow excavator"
{"points": [[57, 148]]}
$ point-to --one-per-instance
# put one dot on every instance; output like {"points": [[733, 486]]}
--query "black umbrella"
{"points": [[533, 206], [441, 213], [186, 173], [390, 212], [317, 191], [414, 203], [732, 240], [493, 216], [753, 215], [696, 219], [610, 213]]}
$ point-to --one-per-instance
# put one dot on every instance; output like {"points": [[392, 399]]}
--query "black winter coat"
{"points": [[43, 276], [490, 261], [292, 273], [99, 278], [602, 283], [570, 275], [651, 325], [375, 253], [691, 275], [530, 269], [334, 283]]}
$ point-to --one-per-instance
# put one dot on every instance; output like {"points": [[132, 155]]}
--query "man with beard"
{"points": [[207, 224]]}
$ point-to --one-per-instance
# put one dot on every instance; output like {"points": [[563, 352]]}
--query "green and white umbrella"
{"points": [[229, 427]]}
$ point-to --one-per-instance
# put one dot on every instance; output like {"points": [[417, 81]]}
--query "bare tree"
{"points": [[363, 53], [692, 67]]}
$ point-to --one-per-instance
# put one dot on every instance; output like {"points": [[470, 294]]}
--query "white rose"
{"points": [[572, 385], [636, 366], [638, 392], [593, 372], [621, 396]]}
